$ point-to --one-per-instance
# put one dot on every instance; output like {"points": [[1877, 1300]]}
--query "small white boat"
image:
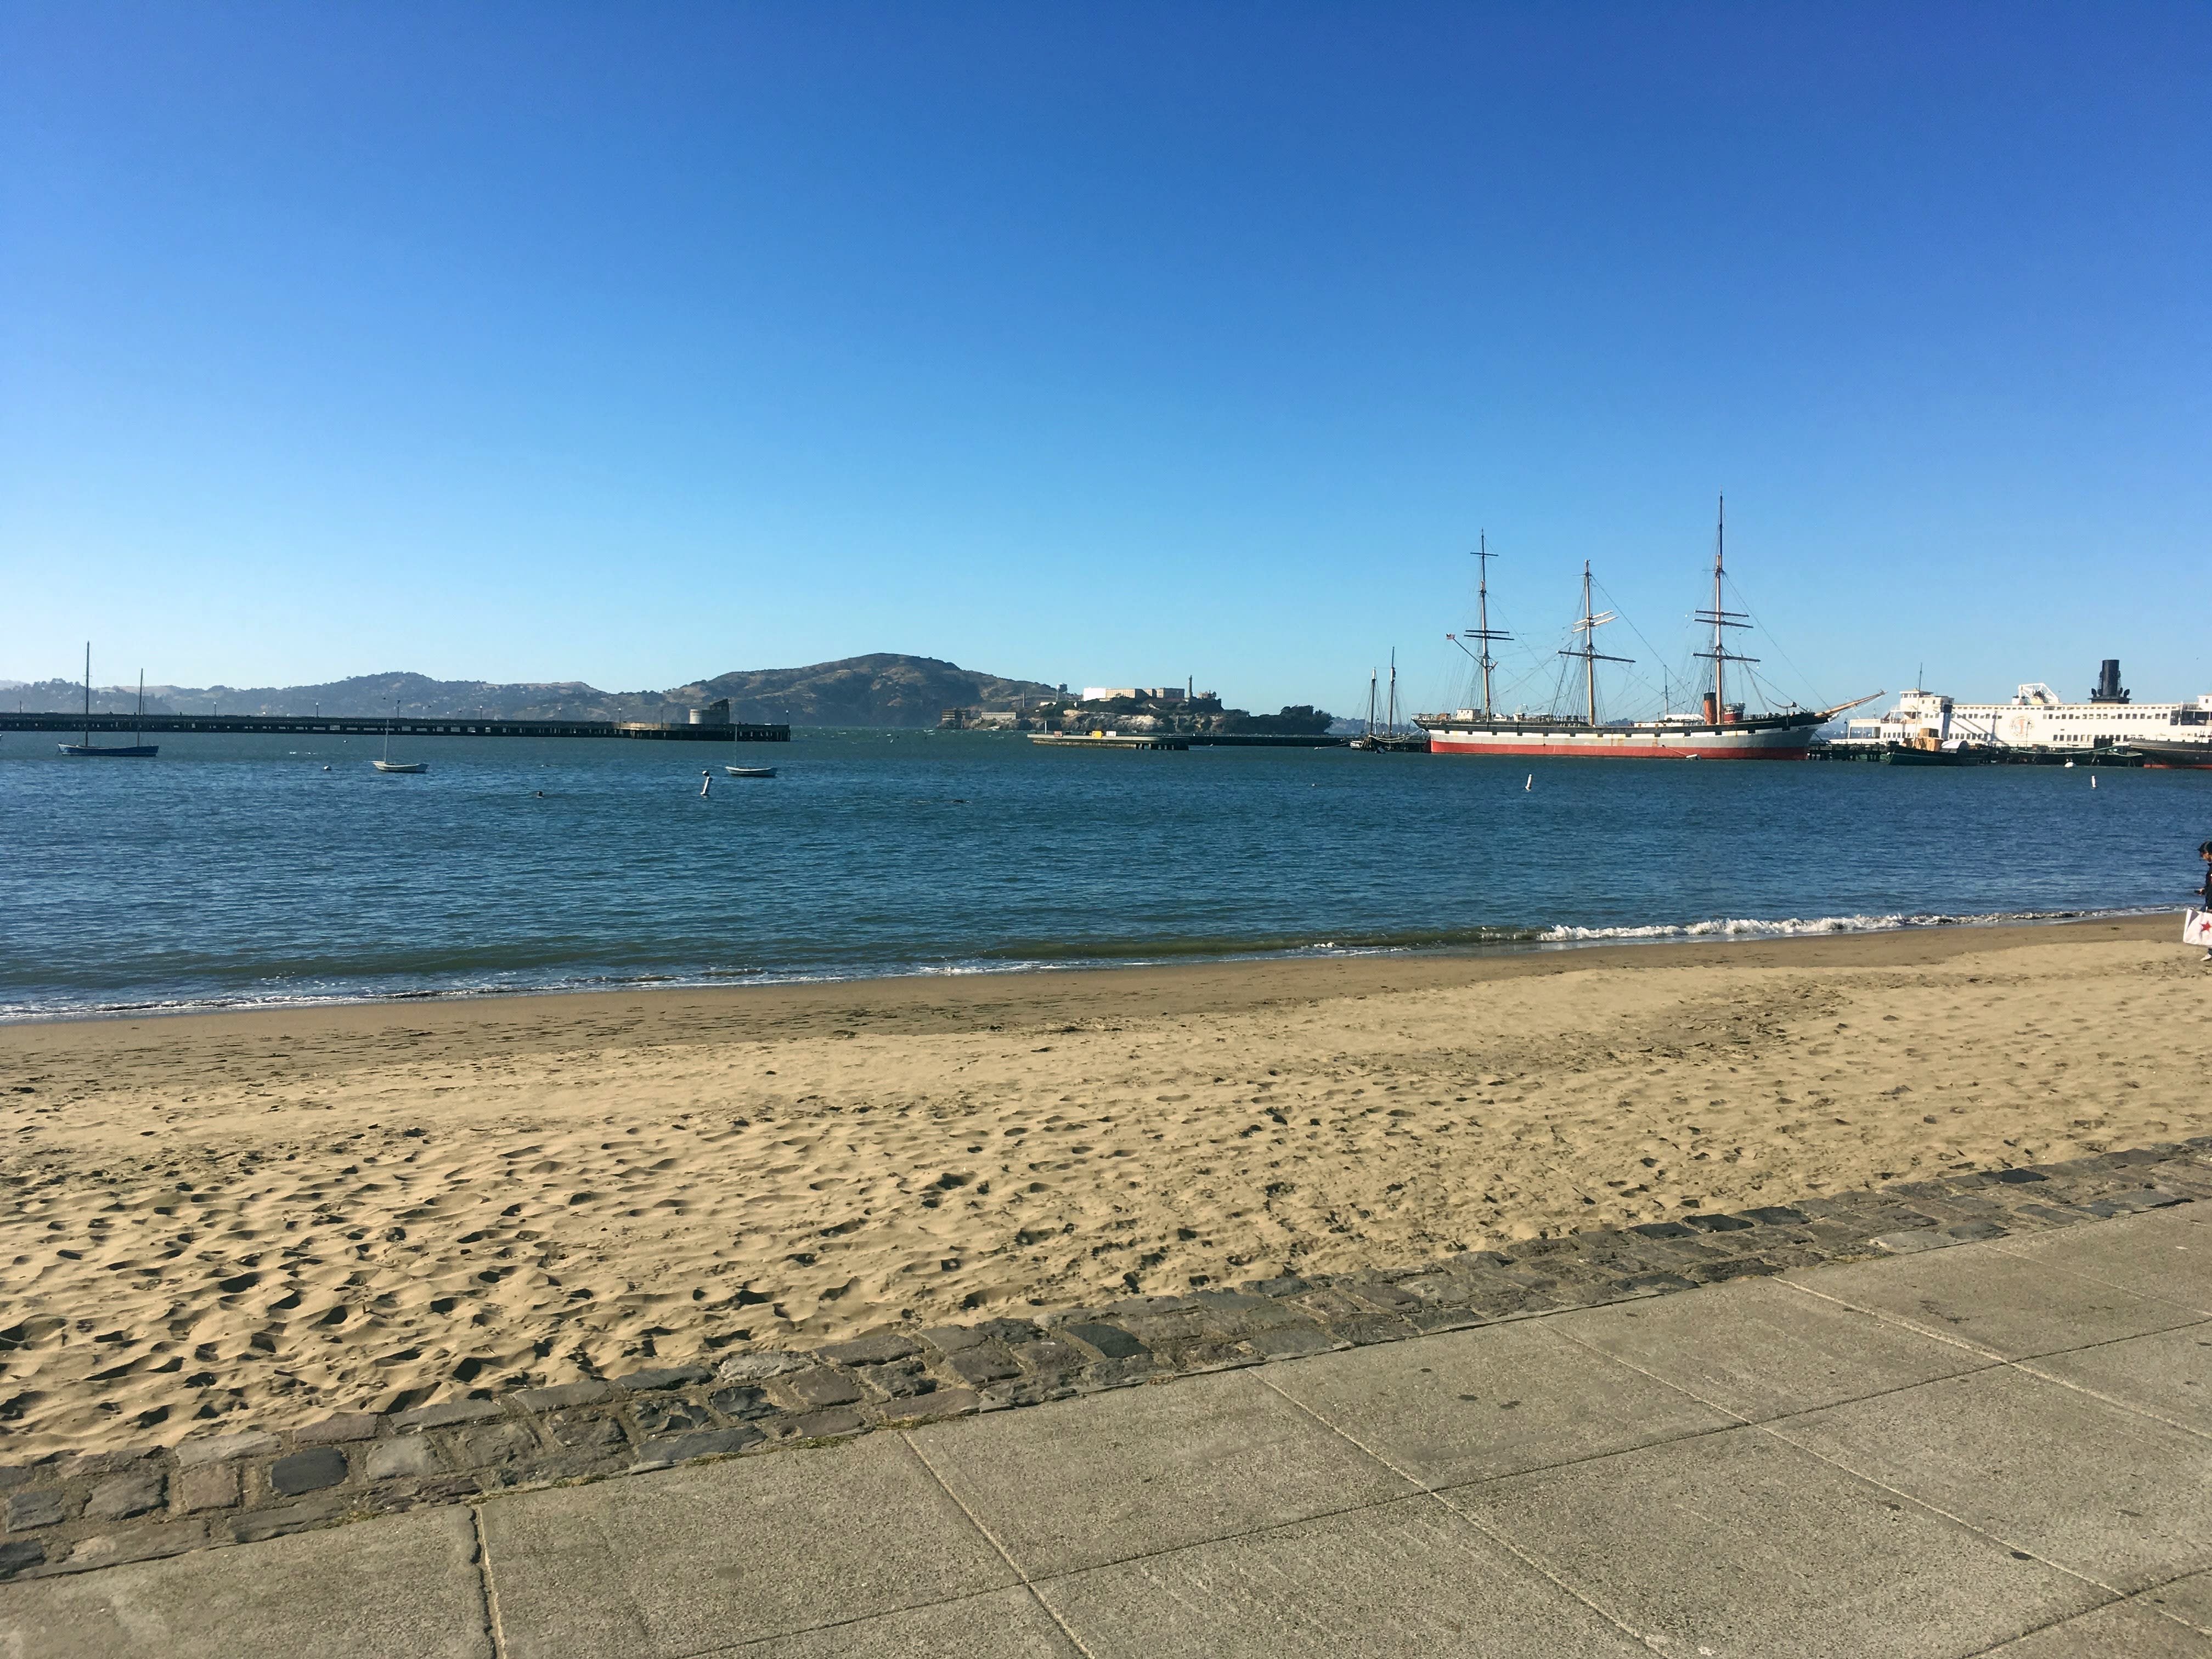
{"points": [[750, 771], [388, 764]]}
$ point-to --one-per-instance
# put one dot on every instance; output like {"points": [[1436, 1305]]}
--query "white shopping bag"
{"points": [[2197, 928]]}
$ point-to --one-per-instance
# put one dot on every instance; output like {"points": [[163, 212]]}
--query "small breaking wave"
{"points": [[1030, 956], [1808, 926]]}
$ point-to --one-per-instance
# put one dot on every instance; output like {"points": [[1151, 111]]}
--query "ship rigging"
{"points": [[1721, 731]]}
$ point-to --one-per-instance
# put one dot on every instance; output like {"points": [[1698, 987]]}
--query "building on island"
{"points": [[1159, 709], [1164, 695]]}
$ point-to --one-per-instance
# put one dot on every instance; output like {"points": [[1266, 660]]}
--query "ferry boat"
{"points": [[1721, 730], [2163, 734]]}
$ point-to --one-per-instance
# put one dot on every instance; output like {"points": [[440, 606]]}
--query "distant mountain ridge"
{"points": [[882, 688]]}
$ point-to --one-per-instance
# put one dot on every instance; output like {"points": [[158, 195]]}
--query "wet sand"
{"points": [[260, 1218]]}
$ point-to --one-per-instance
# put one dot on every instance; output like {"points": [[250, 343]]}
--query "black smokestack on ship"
{"points": [[2108, 687]]}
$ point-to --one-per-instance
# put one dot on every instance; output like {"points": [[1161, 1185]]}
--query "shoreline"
{"points": [[1716, 932], [265, 1217]]}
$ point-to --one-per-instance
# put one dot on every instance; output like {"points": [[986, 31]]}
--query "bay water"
{"points": [[242, 871]]}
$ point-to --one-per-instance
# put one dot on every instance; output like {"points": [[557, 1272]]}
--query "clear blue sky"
{"points": [[1108, 343]]}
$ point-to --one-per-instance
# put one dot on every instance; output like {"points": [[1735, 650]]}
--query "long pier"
{"points": [[1169, 740], [403, 726], [1181, 740]]}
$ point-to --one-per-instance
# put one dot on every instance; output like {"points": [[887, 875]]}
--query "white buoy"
{"points": [[1528, 787], [705, 782], [2092, 780]]}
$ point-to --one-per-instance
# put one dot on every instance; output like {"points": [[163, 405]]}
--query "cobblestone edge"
{"points": [[75, 1511]]}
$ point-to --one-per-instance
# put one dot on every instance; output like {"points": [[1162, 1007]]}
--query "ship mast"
{"points": [[1483, 631], [1721, 618], [1587, 626]]}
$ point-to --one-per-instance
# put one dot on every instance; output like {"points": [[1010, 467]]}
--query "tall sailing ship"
{"points": [[1720, 730]]}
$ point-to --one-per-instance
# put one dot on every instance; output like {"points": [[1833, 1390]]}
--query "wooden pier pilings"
{"points": [[1898, 754]]}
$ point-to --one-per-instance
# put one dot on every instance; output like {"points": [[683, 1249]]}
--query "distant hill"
{"points": [[881, 689]]}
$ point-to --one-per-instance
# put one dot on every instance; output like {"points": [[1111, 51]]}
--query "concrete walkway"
{"points": [[1998, 1447]]}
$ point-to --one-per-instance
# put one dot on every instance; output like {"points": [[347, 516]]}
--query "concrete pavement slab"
{"points": [[1761, 1348], [2133, 1629], [1497, 1400], [405, 1587], [1008, 1624], [2101, 1490], [1082, 1482], [689, 1560], [2186, 1599], [1740, 1546], [2001, 1303], [2168, 1374], [2166, 1254], [1401, 1578]]}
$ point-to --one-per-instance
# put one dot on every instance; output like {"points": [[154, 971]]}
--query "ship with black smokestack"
{"points": [[2039, 719]]}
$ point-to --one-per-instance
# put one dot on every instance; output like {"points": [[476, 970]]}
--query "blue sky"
{"points": [[1111, 343]]}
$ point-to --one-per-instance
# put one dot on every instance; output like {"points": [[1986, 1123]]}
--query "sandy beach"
{"points": [[260, 1218]]}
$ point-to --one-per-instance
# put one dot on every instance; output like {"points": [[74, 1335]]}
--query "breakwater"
{"points": [[413, 727], [1179, 740]]}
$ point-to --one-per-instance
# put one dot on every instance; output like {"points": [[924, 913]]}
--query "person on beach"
{"points": [[2204, 852]]}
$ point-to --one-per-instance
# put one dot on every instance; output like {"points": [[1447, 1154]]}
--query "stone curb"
{"points": [[74, 1511]]}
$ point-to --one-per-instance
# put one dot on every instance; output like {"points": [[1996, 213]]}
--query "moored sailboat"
{"points": [[140, 749], [388, 764], [1389, 737]]}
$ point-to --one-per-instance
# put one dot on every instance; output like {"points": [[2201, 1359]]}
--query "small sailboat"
{"points": [[750, 771], [88, 749], [388, 764], [1388, 738], [1366, 737]]}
